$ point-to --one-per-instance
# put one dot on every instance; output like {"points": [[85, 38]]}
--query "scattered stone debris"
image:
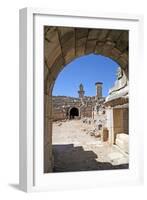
{"points": [[97, 135], [83, 129], [84, 120], [60, 124], [94, 133]]}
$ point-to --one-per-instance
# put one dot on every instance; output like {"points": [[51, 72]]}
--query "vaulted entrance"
{"points": [[74, 112]]}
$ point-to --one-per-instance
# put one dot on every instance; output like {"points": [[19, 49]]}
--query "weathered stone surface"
{"points": [[80, 46], [123, 60], [103, 34], [114, 35], [122, 42], [48, 134], [120, 88], [99, 47], [90, 46], [69, 43], [106, 49], [91, 40], [52, 47], [122, 141], [117, 158], [57, 66], [81, 35]]}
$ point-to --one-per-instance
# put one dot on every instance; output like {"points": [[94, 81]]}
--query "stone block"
{"points": [[117, 158], [122, 141]]}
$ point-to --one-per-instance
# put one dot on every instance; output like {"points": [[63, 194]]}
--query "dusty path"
{"points": [[74, 150]]}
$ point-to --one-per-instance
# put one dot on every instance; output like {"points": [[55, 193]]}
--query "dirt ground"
{"points": [[74, 149]]}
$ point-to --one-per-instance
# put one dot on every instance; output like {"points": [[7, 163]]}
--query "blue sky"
{"points": [[86, 70]]}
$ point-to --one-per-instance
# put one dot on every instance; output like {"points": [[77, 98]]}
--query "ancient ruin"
{"points": [[105, 119], [71, 107]]}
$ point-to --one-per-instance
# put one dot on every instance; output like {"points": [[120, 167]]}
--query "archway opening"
{"points": [[79, 114], [62, 46], [74, 112]]}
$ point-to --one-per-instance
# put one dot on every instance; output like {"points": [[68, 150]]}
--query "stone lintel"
{"points": [[117, 101]]}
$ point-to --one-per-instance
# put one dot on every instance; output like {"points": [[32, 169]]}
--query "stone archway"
{"points": [[74, 112], [64, 44]]}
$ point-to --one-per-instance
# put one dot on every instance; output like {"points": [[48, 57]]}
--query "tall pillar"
{"points": [[110, 125], [81, 91], [98, 89]]}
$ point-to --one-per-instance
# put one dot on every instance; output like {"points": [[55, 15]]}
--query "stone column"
{"points": [[110, 125]]}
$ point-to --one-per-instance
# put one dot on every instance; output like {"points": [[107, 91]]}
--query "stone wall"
{"points": [[63, 104]]}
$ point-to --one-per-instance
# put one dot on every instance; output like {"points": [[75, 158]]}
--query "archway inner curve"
{"points": [[64, 44]]}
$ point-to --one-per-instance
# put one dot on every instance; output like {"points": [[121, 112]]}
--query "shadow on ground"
{"points": [[68, 158]]}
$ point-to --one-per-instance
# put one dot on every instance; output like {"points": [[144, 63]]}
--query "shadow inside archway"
{"points": [[68, 158]]}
